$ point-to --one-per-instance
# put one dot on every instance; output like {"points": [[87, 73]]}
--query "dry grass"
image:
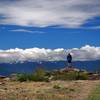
{"points": [[54, 90], [95, 94]]}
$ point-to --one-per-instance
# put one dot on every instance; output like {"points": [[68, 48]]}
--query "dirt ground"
{"points": [[54, 90]]}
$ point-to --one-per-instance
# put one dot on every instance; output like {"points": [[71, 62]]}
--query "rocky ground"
{"points": [[54, 90]]}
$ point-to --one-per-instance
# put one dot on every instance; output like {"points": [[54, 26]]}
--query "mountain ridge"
{"points": [[29, 67]]}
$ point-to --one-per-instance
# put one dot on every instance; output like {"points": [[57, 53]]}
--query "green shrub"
{"points": [[72, 90], [72, 75], [57, 86], [65, 76], [21, 77], [82, 76], [39, 75]]}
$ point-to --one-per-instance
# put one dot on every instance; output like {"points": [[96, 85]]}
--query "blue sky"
{"points": [[48, 37], [33, 30], [49, 24]]}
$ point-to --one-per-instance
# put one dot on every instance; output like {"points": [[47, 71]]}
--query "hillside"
{"points": [[55, 90], [29, 67]]}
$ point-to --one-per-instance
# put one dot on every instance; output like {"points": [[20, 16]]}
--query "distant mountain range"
{"points": [[29, 67]]}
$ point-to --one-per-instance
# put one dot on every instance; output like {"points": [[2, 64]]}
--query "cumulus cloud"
{"points": [[86, 53], [43, 13], [41, 54]]}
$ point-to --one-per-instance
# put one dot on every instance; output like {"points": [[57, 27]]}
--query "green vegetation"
{"points": [[56, 86], [11, 98], [95, 95], [42, 75], [82, 76], [39, 75], [72, 75]]}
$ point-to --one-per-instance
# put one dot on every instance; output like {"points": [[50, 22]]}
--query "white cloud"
{"points": [[36, 54], [21, 30], [86, 53], [27, 31], [42, 13]]}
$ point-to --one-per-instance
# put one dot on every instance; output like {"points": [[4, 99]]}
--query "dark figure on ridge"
{"points": [[69, 59]]}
